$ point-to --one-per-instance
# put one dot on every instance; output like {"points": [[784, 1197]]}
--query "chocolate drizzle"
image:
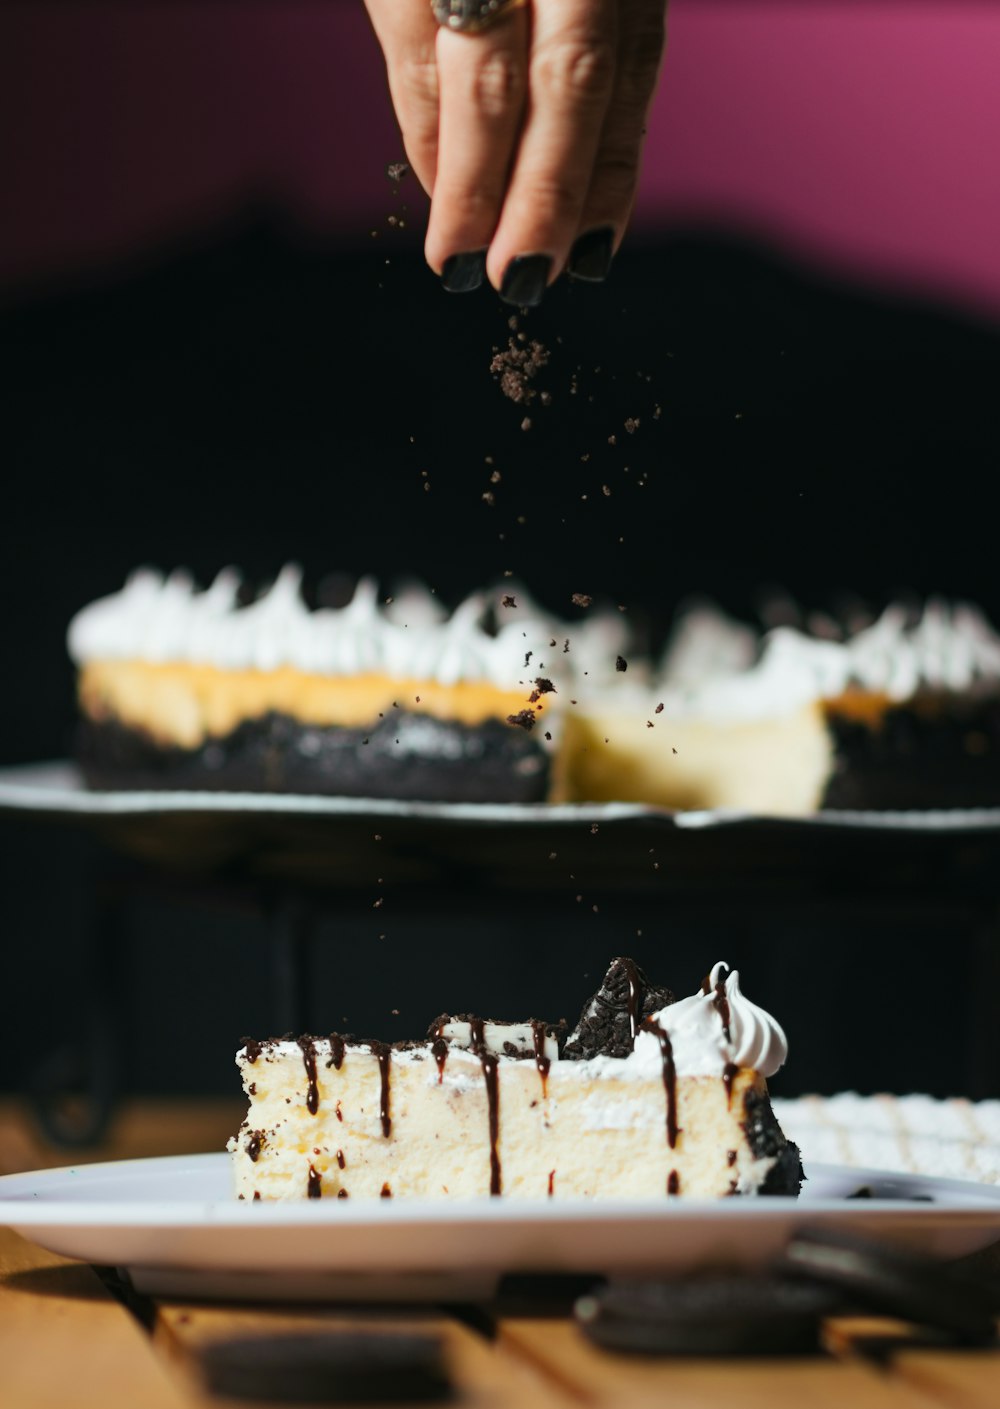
{"points": [[336, 1051], [440, 1049], [309, 1061], [488, 1062], [673, 1182], [636, 993], [721, 1003], [385, 1192], [383, 1052], [669, 1078], [342, 1194], [552, 1182], [253, 1145], [341, 1161], [728, 1072], [542, 1062], [315, 1186]]}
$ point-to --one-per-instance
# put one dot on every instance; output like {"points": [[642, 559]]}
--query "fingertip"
{"points": [[524, 279], [591, 256], [464, 273]]}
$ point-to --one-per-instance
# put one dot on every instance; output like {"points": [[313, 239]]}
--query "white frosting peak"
{"points": [[713, 1028], [167, 619], [949, 647]]}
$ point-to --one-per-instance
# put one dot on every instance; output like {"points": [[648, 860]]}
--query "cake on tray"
{"points": [[647, 1097], [186, 689], [902, 714], [499, 701]]}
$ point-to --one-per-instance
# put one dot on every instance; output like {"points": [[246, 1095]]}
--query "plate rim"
{"points": [[19, 1210], [22, 791]]}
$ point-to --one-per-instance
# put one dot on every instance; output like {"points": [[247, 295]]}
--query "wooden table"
{"points": [[67, 1339]]}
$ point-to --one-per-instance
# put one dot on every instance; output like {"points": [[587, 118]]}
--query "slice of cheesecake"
{"points": [[647, 1097], [187, 689]]}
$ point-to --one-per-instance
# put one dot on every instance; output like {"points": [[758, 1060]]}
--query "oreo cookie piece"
{"points": [[331, 1367], [711, 1315], [610, 1020], [893, 1281]]}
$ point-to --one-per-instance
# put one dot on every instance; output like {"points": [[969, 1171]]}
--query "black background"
{"points": [[249, 398]]}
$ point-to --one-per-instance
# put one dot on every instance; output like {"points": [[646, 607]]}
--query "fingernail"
{"points": [[591, 256], [461, 273], [525, 279]]}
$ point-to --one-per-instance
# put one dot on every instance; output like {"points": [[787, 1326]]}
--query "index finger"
{"points": [[407, 32]]}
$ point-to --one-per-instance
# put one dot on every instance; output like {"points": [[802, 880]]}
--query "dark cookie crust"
{"points": [[409, 756], [766, 1139], [609, 1019], [932, 752], [708, 1315]]}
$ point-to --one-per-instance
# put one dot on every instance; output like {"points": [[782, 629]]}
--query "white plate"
{"points": [[174, 1224]]}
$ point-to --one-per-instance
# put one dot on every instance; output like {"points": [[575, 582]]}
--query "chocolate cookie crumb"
{"points": [[525, 719], [621, 663], [516, 366], [607, 1023], [508, 601]]}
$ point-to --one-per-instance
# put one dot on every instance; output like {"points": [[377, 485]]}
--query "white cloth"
{"points": [[955, 1138]]}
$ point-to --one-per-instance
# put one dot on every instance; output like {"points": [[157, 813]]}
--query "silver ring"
{"points": [[472, 16]]}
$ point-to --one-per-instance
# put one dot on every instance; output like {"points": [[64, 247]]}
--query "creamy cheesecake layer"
{"points": [[647, 1098], [182, 705], [778, 765], [397, 1123]]}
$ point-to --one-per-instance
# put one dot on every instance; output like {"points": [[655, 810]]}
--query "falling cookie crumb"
{"points": [[518, 365]]}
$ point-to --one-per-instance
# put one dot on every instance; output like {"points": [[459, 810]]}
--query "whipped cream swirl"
{"points": [[168, 619], [950, 646], [714, 1028]]}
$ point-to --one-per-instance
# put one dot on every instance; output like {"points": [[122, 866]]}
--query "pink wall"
{"points": [[862, 133]]}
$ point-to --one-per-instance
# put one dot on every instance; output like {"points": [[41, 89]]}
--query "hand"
{"points": [[526, 135]]}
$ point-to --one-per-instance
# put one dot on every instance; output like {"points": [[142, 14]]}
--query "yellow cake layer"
{"points": [[778, 765], [183, 705]]}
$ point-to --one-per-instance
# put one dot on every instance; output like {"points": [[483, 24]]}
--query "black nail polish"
{"points": [[591, 256], [525, 279], [461, 273]]}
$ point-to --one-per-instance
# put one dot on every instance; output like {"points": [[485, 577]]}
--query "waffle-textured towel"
{"points": [[956, 1138]]}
